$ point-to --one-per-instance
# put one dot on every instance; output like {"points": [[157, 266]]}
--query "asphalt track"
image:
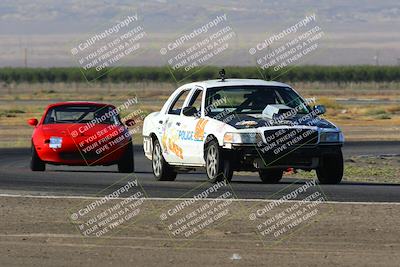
{"points": [[17, 179]]}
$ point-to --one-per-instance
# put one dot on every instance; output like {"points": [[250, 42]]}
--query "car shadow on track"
{"points": [[99, 171], [87, 171]]}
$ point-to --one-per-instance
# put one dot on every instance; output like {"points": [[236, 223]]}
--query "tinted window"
{"points": [[251, 99], [176, 107], [81, 114], [195, 101]]}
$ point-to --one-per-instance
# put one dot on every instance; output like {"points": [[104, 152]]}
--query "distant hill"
{"points": [[357, 32]]}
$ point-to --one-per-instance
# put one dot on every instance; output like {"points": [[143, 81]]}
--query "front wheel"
{"points": [[218, 165], [270, 176], [161, 169], [36, 163], [330, 170]]}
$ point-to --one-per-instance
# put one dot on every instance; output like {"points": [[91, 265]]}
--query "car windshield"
{"points": [[81, 114], [251, 99]]}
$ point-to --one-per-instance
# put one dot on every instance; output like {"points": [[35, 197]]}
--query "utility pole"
{"points": [[377, 58]]}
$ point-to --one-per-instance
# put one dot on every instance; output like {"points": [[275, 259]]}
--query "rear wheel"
{"points": [[330, 170], [218, 165], [36, 163], [270, 176], [126, 163], [161, 169]]}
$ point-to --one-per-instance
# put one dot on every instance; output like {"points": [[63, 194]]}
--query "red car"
{"points": [[81, 134]]}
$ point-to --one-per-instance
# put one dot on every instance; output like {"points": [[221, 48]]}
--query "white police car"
{"points": [[231, 125]]}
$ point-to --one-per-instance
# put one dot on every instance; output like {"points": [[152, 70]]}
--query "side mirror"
{"points": [[33, 122], [320, 108], [130, 122], [189, 111]]}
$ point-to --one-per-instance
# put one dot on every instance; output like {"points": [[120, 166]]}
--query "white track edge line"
{"points": [[207, 199]]}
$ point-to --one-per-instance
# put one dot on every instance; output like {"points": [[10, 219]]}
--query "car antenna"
{"points": [[222, 75]]}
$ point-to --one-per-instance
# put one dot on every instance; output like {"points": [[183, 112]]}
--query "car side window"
{"points": [[177, 105], [196, 99]]}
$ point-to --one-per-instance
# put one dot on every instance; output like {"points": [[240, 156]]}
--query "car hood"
{"points": [[244, 121], [74, 129]]}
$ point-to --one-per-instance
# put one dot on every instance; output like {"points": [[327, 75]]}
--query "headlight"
{"points": [[55, 142], [330, 137], [240, 138]]}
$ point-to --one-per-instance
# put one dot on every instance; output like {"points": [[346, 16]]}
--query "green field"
{"points": [[338, 74]]}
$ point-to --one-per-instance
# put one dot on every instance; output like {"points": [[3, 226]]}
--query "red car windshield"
{"points": [[82, 114]]}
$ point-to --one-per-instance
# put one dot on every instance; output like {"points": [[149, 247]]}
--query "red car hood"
{"points": [[75, 129]]}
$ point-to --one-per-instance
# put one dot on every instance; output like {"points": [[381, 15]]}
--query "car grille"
{"points": [[292, 136]]}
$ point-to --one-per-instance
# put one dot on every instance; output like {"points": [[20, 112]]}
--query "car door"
{"points": [[172, 150], [191, 129]]}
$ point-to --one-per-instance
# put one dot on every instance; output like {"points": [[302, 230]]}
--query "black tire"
{"points": [[161, 169], [218, 164], [330, 170], [36, 164], [270, 176], [127, 164]]}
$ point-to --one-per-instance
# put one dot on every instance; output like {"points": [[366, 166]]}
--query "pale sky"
{"points": [[356, 32]]}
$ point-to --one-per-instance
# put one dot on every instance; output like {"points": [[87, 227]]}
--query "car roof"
{"points": [[77, 103], [236, 82]]}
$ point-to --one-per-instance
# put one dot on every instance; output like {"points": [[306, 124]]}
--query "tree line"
{"points": [[164, 74]]}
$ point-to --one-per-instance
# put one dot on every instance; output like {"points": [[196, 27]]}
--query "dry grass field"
{"points": [[365, 111]]}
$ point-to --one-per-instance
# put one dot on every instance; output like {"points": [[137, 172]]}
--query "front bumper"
{"points": [[307, 157], [71, 155]]}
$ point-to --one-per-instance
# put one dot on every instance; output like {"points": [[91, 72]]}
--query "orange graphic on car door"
{"points": [[199, 130], [164, 141], [174, 148]]}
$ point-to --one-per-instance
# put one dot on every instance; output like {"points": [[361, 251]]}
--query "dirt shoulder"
{"points": [[40, 231]]}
